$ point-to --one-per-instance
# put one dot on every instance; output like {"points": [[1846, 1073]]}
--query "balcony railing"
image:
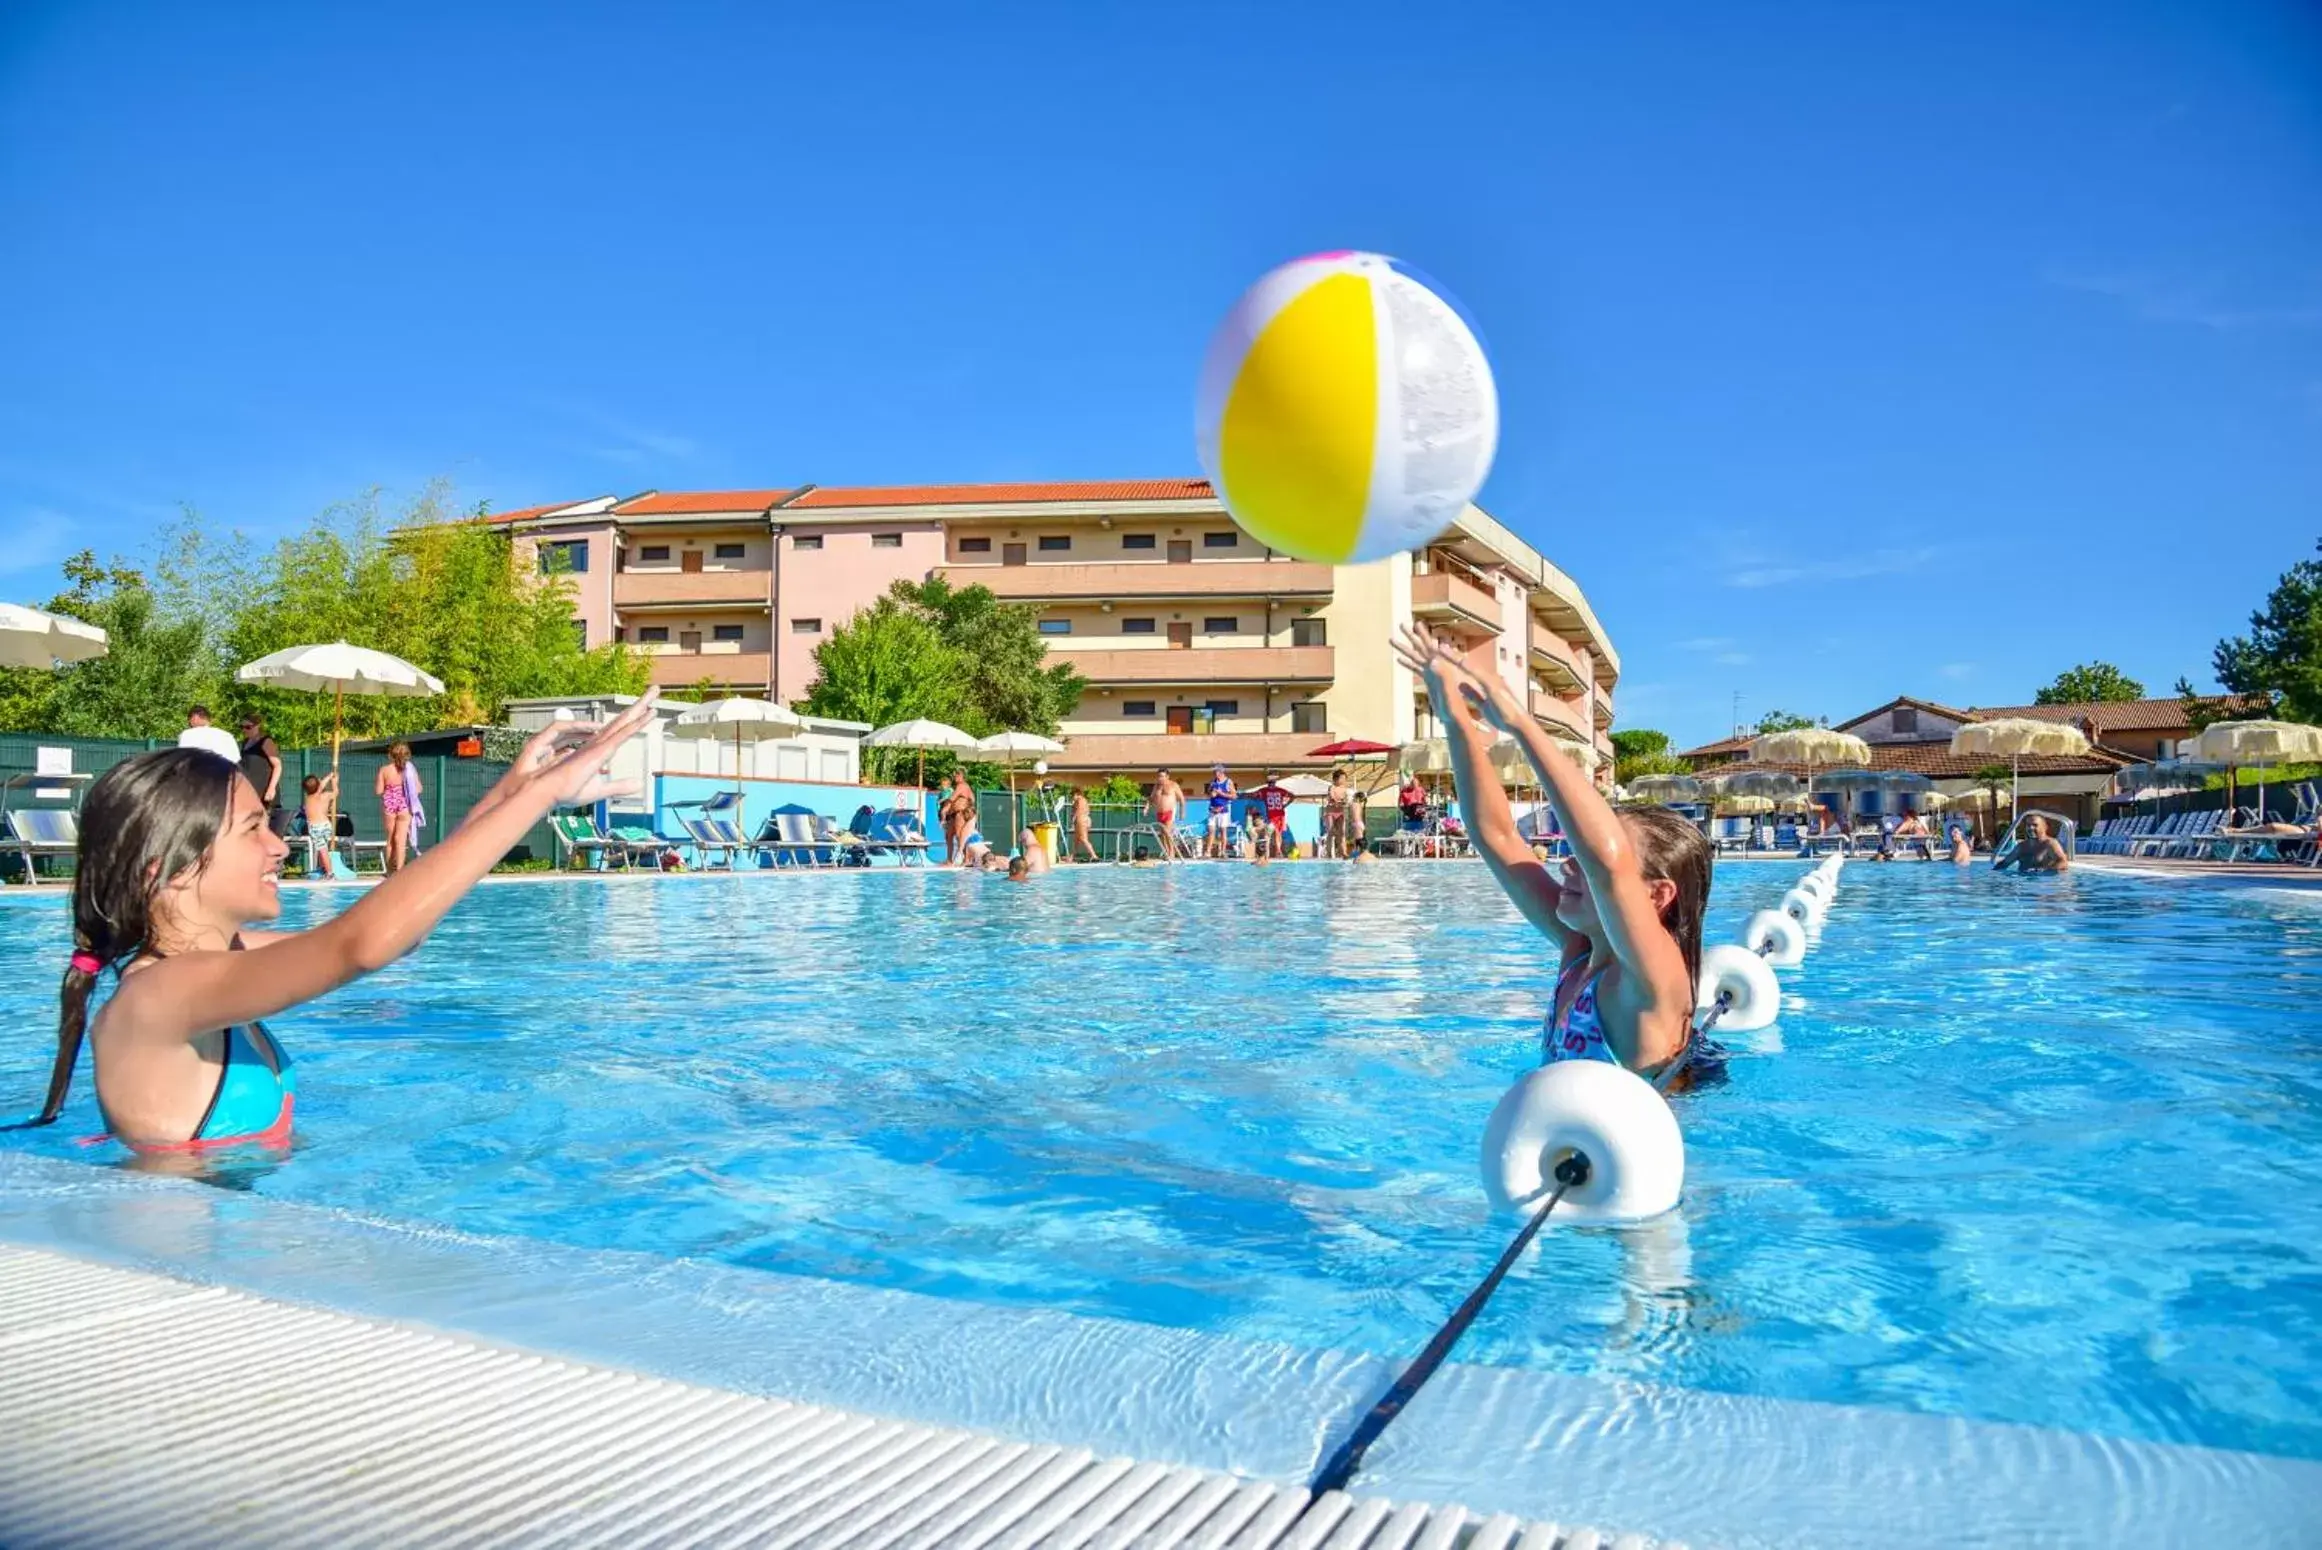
{"points": [[1563, 715], [1445, 597], [1555, 668], [677, 669], [672, 588], [1140, 753], [1200, 665], [1096, 582]]}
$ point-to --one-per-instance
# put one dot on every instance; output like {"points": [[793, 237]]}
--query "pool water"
{"points": [[2043, 1150]]}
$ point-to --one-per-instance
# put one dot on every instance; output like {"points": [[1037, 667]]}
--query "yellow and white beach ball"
{"points": [[1346, 410]]}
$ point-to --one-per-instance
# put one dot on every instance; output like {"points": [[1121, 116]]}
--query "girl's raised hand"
{"points": [[1453, 685], [569, 762]]}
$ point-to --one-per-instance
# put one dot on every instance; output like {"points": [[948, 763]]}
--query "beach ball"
{"points": [[1346, 411]]}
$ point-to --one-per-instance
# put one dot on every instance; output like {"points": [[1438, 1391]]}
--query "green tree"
{"points": [[1117, 791], [1007, 684], [2281, 656], [2088, 684], [1782, 721], [156, 664], [1641, 751], [889, 663], [437, 590]]}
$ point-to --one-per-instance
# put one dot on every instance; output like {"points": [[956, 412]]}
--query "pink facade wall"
{"points": [[592, 591], [831, 584]]}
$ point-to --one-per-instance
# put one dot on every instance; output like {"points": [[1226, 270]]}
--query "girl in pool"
{"points": [[1625, 910], [176, 857]]}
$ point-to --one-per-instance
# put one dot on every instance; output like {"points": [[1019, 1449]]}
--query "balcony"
{"points": [[1561, 716], [1138, 752], [691, 589], [1558, 673], [1452, 599], [674, 669], [1202, 665], [1123, 580], [1604, 713]]}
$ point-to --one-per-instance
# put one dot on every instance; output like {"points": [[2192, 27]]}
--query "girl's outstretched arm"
{"points": [[182, 996], [1491, 823]]}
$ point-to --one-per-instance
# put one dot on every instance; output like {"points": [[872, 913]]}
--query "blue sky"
{"points": [[1844, 350]]}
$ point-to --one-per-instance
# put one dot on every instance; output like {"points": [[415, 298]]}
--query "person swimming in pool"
{"points": [[176, 859], [2037, 851], [1624, 912]]}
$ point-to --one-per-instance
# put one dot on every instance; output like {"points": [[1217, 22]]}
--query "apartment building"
{"points": [[1199, 645]]}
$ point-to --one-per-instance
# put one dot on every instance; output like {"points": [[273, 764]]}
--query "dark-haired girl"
{"points": [[1625, 910], [176, 858]]}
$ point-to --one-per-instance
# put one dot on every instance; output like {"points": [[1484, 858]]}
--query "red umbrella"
{"points": [[1350, 748]]}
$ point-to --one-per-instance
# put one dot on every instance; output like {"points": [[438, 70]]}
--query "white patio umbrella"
{"points": [[338, 669], [756, 721], [2012, 737], [2242, 745], [1009, 745], [1665, 788], [1809, 746], [921, 734], [1309, 787], [32, 637]]}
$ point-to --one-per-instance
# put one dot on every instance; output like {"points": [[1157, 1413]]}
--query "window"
{"points": [[725, 632], [1137, 708], [1906, 719], [580, 633], [806, 626], [1136, 627], [652, 634], [731, 551], [1054, 543], [806, 541], [1056, 626], [1225, 540], [886, 540], [1137, 541], [1308, 632], [1309, 717], [568, 554], [653, 554], [1225, 707], [1220, 624], [1196, 719], [975, 546]]}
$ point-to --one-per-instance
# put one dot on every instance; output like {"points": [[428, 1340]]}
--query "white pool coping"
{"points": [[1678, 1464], [146, 1410]]}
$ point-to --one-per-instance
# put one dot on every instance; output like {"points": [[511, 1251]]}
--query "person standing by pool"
{"points": [[1218, 839], [261, 762], [1082, 848], [176, 859], [200, 734], [1411, 800], [397, 788], [1624, 912], [1274, 802], [1168, 802], [1337, 819], [957, 813]]}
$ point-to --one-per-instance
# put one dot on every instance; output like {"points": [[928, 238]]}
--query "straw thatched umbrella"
{"points": [[2242, 745], [2013, 737], [1665, 788]]}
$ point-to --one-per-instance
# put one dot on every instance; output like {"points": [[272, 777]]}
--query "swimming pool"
{"points": [[2044, 1151]]}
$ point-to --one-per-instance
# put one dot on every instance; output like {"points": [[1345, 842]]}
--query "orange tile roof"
{"points": [[1721, 746], [2127, 715], [1006, 494], [685, 503]]}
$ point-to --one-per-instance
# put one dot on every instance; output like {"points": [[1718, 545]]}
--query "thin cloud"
{"points": [[1955, 670], [1733, 659], [1879, 562], [624, 441], [1706, 643], [2161, 300], [36, 540]]}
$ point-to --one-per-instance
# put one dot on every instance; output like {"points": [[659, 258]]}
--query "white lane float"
{"points": [[1805, 908], [1743, 983], [1775, 937], [1603, 1112]]}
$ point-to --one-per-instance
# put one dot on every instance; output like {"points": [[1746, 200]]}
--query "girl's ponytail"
{"points": [[72, 1026]]}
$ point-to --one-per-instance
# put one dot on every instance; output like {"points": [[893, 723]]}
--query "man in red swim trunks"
{"points": [[1168, 801]]}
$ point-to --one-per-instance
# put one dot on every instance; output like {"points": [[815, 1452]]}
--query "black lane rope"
{"points": [[1572, 1172]]}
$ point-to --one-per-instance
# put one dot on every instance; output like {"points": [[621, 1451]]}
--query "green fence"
{"points": [[451, 786]]}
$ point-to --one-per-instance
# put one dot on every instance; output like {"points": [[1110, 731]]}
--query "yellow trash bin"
{"points": [[1049, 838]]}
